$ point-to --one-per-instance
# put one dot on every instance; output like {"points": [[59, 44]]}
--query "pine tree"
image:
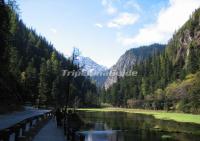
{"points": [[55, 64], [193, 58], [31, 81], [30, 66], [55, 92], [144, 87], [14, 63], [4, 36], [43, 84]]}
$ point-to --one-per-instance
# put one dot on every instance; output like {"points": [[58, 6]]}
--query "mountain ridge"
{"points": [[90, 65], [168, 81], [131, 57]]}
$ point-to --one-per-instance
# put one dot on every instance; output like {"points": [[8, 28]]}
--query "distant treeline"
{"points": [[166, 81], [31, 68]]}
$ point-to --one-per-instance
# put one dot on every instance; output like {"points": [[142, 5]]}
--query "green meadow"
{"points": [[164, 115]]}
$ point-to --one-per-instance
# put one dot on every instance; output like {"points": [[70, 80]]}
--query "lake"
{"points": [[121, 126]]}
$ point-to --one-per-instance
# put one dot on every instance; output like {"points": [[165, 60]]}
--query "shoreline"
{"points": [[163, 115]]}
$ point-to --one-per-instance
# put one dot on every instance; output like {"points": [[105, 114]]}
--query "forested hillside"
{"points": [[127, 61], [31, 68], [169, 80]]}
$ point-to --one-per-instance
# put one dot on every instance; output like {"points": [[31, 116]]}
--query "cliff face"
{"points": [[185, 43], [91, 67], [182, 50], [127, 61]]}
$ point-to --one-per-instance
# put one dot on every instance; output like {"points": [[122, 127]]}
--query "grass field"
{"points": [[180, 117]]}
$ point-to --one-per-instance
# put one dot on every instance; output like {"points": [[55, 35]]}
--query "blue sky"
{"points": [[104, 29]]}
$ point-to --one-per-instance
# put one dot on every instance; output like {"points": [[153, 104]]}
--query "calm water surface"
{"points": [[120, 126]]}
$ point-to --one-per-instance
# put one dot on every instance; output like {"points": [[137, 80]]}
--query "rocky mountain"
{"points": [[166, 81], [90, 66], [93, 68], [183, 48], [129, 58]]}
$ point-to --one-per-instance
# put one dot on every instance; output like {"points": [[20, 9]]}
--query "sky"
{"points": [[104, 29]]}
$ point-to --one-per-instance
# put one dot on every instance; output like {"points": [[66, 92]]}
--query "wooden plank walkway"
{"points": [[50, 132], [15, 117]]}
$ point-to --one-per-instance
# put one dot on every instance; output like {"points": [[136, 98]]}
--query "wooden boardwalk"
{"points": [[50, 132], [15, 117]]}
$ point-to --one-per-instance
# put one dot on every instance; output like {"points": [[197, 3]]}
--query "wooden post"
{"points": [[19, 129], [37, 120], [31, 123], [17, 132], [65, 127], [82, 137], [23, 128], [5, 135]]}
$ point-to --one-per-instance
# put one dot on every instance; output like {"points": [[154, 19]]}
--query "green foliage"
{"points": [[165, 79], [30, 81], [43, 84], [193, 58], [31, 69], [163, 115], [14, 63]]}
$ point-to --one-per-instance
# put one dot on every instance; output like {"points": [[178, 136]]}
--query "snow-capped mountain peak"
{"points": [[89, 65]]}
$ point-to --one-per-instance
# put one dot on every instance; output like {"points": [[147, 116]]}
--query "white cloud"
{"points": [[110, 9], [53, 30], [132, 4], [104, 2], [169, 19], [123, 19], [98, 25]]}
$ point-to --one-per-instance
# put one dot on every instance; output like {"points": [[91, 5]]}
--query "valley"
{"points": [[41, 83]]}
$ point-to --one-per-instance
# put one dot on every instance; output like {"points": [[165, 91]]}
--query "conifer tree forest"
{"points": [[32, 69], [169, 80]]}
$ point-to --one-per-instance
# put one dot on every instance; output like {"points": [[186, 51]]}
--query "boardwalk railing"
{"points": [[26, 129], [80, 137]]}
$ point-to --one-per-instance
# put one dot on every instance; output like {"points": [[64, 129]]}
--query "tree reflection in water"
{"points": [[118, 126], [101, 132], [106, 135]]}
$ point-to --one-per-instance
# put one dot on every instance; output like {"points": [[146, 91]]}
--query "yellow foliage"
{"points": [[182, 86]]}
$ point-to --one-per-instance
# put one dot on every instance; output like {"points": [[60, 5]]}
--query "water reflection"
{"points": [[100, 126], [105, 135], [101, 132], [117, 126]]}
